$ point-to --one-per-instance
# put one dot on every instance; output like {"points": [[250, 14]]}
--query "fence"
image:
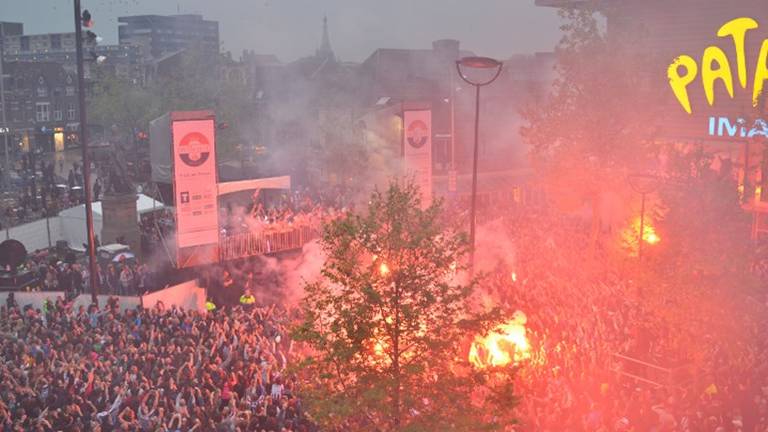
{"points": [[648, 373], [40, 234], [250, 244], [187, 295]]}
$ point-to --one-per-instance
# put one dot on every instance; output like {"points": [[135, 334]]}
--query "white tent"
{"points": [[73, 219]]}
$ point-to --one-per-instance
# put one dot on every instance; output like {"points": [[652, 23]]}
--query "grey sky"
{"points": [[291, 28]]}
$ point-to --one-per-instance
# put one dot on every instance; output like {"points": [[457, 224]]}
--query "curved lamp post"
{"points": [[494, 67]]}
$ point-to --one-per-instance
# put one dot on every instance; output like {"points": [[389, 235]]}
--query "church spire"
{"points": [[325, 50]]}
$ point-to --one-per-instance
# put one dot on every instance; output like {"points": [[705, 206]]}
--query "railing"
{"points": [[648, 373], [250, 244]]}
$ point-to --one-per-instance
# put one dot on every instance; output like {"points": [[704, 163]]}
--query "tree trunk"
{"points": [[396, 363]]}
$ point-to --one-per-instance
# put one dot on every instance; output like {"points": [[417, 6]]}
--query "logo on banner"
{"points": [[194, 149], [417, 134]]}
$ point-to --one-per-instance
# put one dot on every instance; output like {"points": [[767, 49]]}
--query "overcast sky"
{"points": [[292, 28]]}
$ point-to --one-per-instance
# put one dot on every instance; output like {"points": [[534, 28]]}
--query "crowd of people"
{"points": [[36, 188], [127, 276], [147, 370], [602, 360], [279, 214]]}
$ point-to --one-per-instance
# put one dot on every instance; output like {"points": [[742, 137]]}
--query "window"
{"points": [[56, 41], [69, 90], [43, 111], [25, 43], [57, 114], [42, 91], [71, 111]]}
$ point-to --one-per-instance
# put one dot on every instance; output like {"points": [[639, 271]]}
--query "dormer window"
{"points": [[42, 90]]}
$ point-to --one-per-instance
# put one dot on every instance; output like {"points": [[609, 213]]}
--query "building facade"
{"points": [[11, 28], [396, 77], [41, 106], [123, 60], [157, 35], [727, 123]]}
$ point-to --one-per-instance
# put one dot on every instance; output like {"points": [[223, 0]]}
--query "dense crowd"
{"points": [[282, 213], [146, 370], [582, 313], [125, 276], [35, 189], [602, 359]]}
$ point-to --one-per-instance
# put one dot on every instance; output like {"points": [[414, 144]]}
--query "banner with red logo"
{"points": [[195, 183], [417, 137]]}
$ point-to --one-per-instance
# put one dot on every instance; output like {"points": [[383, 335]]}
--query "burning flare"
{"points": [[630, 234], [504, 345]]}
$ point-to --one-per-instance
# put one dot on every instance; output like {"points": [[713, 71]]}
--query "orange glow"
{"points": [[384, 269], [650, 236], [649, 232], [507, 344], [514, 277]]}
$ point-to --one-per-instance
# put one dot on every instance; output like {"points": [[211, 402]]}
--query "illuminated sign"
{"points": [[724, 127], [716, 67]]}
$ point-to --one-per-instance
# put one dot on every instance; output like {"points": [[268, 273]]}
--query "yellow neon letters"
{"points": [[715, 66]]}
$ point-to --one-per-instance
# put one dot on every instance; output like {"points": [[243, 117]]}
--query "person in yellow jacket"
{"points": [[210, 306], [247, 299]]}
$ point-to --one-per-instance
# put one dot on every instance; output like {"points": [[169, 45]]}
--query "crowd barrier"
{"points": [[250, 244], [648, 373], [187, 295]]}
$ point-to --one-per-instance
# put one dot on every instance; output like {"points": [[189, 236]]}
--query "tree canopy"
{"points": [[388, 327]]}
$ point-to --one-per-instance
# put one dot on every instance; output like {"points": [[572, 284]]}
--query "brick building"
{"points": [[41, 105]]}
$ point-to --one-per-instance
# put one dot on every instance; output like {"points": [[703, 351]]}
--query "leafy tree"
{"points": [[592, 130], [195, 84], [707, 229], [386, 326], [338, 156], [117, 102]]}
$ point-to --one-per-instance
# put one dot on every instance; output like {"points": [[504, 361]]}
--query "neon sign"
{"points": [[724, 127], [715, 66]]}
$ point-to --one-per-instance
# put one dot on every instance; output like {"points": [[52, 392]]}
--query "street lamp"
{"points": [[642, 184], [493, 66], [84, 18]]}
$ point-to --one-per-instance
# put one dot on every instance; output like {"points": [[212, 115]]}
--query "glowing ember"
{"points": [[650, 236], [384, 269], [649, 232], [629, 235], [514, 277], [505, 345]]}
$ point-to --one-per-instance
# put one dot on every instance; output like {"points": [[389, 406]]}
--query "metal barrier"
{"points": [[250, 244], [648, 373]]}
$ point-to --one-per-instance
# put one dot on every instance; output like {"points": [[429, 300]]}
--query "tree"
{"points": [[338, 156], [194, 85], [593, 128], [120, 103], [386, 326], [707, 229]]}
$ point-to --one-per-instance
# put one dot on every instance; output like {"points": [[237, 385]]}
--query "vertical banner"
{"points": [[194, 179], [417, 151]]}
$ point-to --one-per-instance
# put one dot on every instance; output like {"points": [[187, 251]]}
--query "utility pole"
{"points": [[6, 130], [92, 265]]}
